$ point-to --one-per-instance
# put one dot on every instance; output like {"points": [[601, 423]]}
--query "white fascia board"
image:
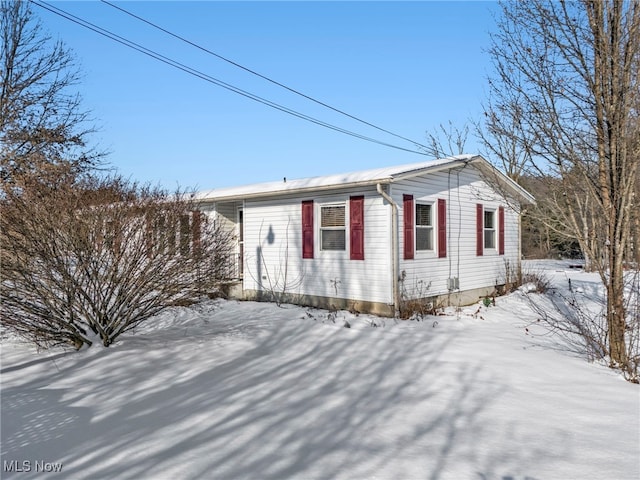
{"points": [[457, 162], [508, 182], [291, 191]]}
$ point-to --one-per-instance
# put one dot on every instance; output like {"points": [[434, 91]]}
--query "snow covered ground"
{"points": [[242, 390]]}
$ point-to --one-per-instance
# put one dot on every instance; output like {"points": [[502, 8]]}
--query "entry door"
{"points": [[240, 223]]}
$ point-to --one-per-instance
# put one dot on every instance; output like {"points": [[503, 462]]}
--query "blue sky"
{"points": [[404, 66]]}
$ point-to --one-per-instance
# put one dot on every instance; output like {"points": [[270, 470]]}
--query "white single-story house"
{"points": [[368, 240]]}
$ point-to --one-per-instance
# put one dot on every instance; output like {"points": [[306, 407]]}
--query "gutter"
{"points": [[394, 247]]}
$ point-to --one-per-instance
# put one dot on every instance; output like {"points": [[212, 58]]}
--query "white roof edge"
{"points": [[353, 179], [227, 194], [451, 162], [508, 181]]}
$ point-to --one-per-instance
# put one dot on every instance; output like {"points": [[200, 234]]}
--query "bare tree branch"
{"points": [[564, 107], [42, 124], [97, 258]]}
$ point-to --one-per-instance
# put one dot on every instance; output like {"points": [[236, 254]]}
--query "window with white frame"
{"points": [[489, 229], [333, 235], [424, 226]]}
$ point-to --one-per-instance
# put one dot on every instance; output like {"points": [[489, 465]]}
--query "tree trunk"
{"points": [[616, 315], [567, 73]]}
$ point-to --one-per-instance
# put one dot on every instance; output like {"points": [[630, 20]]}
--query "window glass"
{"points": [[332, 227], [333, 216], [333, 240], [488, 219], [424, 227], [489, 229]]}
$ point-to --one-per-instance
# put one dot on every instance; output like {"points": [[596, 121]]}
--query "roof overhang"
{"points": [[508, 185], [290, 191], [368, 178]]}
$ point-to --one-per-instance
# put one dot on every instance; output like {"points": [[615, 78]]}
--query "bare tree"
{"points": [[566, 75], [42, 125], [497, 133], [446, 140], [93, 259]]}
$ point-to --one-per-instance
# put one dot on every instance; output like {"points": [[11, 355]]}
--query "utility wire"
{"points": [[264, 77], [208, 78]]}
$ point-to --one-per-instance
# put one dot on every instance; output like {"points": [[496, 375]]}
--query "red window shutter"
{"points": [[407, 208], [442, 228], [501, 230], [479, 230], [356, 227], [307, 229]]}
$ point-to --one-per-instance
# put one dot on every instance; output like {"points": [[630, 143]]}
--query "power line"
{"points": [[264, 77], [206, 77]]}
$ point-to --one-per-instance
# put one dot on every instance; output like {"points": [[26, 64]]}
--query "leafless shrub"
{"points": [[512, 276], [538, 281], [633, 322], [515, 277], [416, 303], [96, 258], [578, 315], [567, 315]]}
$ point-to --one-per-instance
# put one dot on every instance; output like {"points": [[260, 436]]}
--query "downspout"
{"points": [[394, 246], [519, 272]]}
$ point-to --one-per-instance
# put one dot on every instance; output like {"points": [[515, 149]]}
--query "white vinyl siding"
{"points": [[462, 189], [273, 240], [273, 248]]}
